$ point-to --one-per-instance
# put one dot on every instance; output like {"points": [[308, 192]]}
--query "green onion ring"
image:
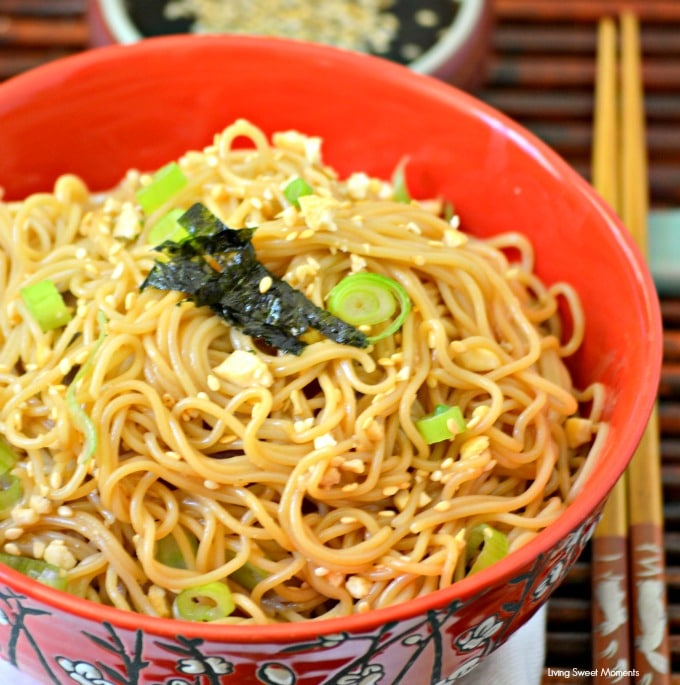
{"points": [[204, 603], [368, 299], [486, 545]]}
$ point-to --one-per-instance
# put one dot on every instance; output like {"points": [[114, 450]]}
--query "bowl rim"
{"points": [[118, 20], [471, 15], [506, 569]]}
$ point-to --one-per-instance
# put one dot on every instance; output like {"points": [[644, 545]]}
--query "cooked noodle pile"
{"points": [[307, 472]]}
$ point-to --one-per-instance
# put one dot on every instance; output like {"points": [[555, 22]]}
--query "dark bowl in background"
{"points": [[455, 49]]}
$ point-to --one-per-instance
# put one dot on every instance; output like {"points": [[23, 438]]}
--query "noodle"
{"points": [[312, 475]]}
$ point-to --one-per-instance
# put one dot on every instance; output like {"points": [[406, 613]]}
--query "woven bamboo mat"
{"points": [[540, 72]]}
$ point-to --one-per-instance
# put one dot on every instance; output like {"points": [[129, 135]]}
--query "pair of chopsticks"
{"points": [[630, 625]]}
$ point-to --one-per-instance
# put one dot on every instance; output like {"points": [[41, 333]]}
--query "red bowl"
{"points": [[102, 112]]}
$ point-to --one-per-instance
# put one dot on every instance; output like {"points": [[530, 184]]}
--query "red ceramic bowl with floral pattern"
{"points": [[102, 112]]}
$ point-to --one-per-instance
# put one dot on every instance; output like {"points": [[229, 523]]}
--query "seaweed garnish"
{"points": [[216, 266]]}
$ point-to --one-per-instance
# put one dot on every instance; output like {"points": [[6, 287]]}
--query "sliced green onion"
{"points": [[444, 423], [204, 603], [296, 189], [448, 211], [167, 228], [8, 457], [169, 551], [485, 545], [11, 491], [39, 570], [46, 305], [165, 183], [367, 299], [79, 416], [400, 191], [248, 576]]}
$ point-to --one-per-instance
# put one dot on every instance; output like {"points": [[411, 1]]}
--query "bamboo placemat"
{"points": [[541, 72]]}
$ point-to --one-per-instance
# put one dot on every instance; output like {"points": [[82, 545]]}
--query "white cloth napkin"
{"points": [[519, 660]]}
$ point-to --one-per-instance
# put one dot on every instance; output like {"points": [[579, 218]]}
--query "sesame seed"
{"points": [[14, 533], [213, 382], [13, 549], [211, 485], [65, 511], [410, 51], [390, 490], [427, 18], [387, 513], [442, 506], [307, 233], [302, 425], [265, 284]]}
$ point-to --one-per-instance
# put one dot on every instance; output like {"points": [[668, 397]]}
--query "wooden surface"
{"points": [[541, 73]]}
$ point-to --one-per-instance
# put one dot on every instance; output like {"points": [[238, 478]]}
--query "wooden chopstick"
{"points": [[651, 655], [634, 589], [610, 635]]}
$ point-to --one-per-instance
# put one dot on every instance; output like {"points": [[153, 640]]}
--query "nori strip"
{"points": [[231, 288]]}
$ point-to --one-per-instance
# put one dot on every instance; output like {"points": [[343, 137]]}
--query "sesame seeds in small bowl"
{"points": [[448, 39]]}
